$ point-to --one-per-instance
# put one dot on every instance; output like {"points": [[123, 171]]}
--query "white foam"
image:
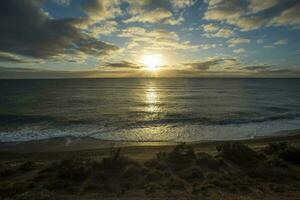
{"points": [[154, 133]]}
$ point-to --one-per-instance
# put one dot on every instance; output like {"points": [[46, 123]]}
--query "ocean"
{"points": [[148, 109]]}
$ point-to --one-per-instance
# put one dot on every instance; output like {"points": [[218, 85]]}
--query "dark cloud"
{"points": [[7, 57], [253, 14], [260, 68], [25, 29], [206, 65], [271, 70], [29, 73], [124, 64]]}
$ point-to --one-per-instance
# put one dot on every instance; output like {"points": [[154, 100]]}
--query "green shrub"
{"points": [[154, 175], [181, 157], [275, 161], [284, 151], [71, 169], [157, 163], [151, 188], [209, 162], [27, 166], [193, 173], [274, 148], [116, 163], [37, 194], [176, 183], [132, 172], [12, 189], [7, 171], [238, 154], [201, 188]]}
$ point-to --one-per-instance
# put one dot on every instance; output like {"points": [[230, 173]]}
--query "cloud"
{"points": [[99, 10], [271, 70], [208, 64], [123, 64], [156, 39], [182, 3], [153, 11], [259, 68], [236, 41], [31, 73], [258, 5], [277, 43], [239, 51], [62, 2], [8, 57], [30, 32], [288, 17], [104, 28], [281, 42], [223, 32], [153, 16], [233, 13], [259, 41], [207, 46], [253, 14], [212, 30], [269, 46]]}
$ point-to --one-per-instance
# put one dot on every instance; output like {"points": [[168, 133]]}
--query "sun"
{"points": [[152, 62]]}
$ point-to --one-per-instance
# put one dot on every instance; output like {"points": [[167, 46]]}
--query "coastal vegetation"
{"points": [[232, 171]]}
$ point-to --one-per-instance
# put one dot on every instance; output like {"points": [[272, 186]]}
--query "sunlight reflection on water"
{"points": [[152, 99]]}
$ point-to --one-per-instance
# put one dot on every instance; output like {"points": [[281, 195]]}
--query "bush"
{"points": [[275, 161], [12, 189], [157, 163], [72, 169], [27, 166], [154, 175], [181, 157], [192, 173], [132, 172], [207, 161], [274, 148], [37, 194], [151, 188], [284, 151], [115, 163], [238, 154], [7, 171], [202, 188], [176, 183]]}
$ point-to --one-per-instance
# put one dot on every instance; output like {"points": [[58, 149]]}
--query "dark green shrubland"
{"points": [[234, 168]]}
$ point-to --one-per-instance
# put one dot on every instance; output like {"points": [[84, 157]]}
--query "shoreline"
{"points": [[61, 144]]}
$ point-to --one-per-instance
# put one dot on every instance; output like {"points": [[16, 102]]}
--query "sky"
{"points": [[149, 38]]}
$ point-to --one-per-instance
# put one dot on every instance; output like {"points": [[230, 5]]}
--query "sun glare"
{"points": [[152, 62]]}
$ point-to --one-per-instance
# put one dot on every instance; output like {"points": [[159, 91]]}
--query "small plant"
{"points": [[208, 161], [193, 173], [27, 166], [238, 154], [182, 156], [72, 169], [284, 151], [37, 194], [151, 188], [202, 188]]}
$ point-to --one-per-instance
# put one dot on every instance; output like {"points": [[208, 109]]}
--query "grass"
{"points": [[234, 168]]}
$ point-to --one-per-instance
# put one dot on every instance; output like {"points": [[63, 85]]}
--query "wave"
{"points": [[183, 119], [174, 119]]}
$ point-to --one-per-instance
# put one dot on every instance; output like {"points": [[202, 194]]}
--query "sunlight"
{"points": [[151, 99], [152, 62]]}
